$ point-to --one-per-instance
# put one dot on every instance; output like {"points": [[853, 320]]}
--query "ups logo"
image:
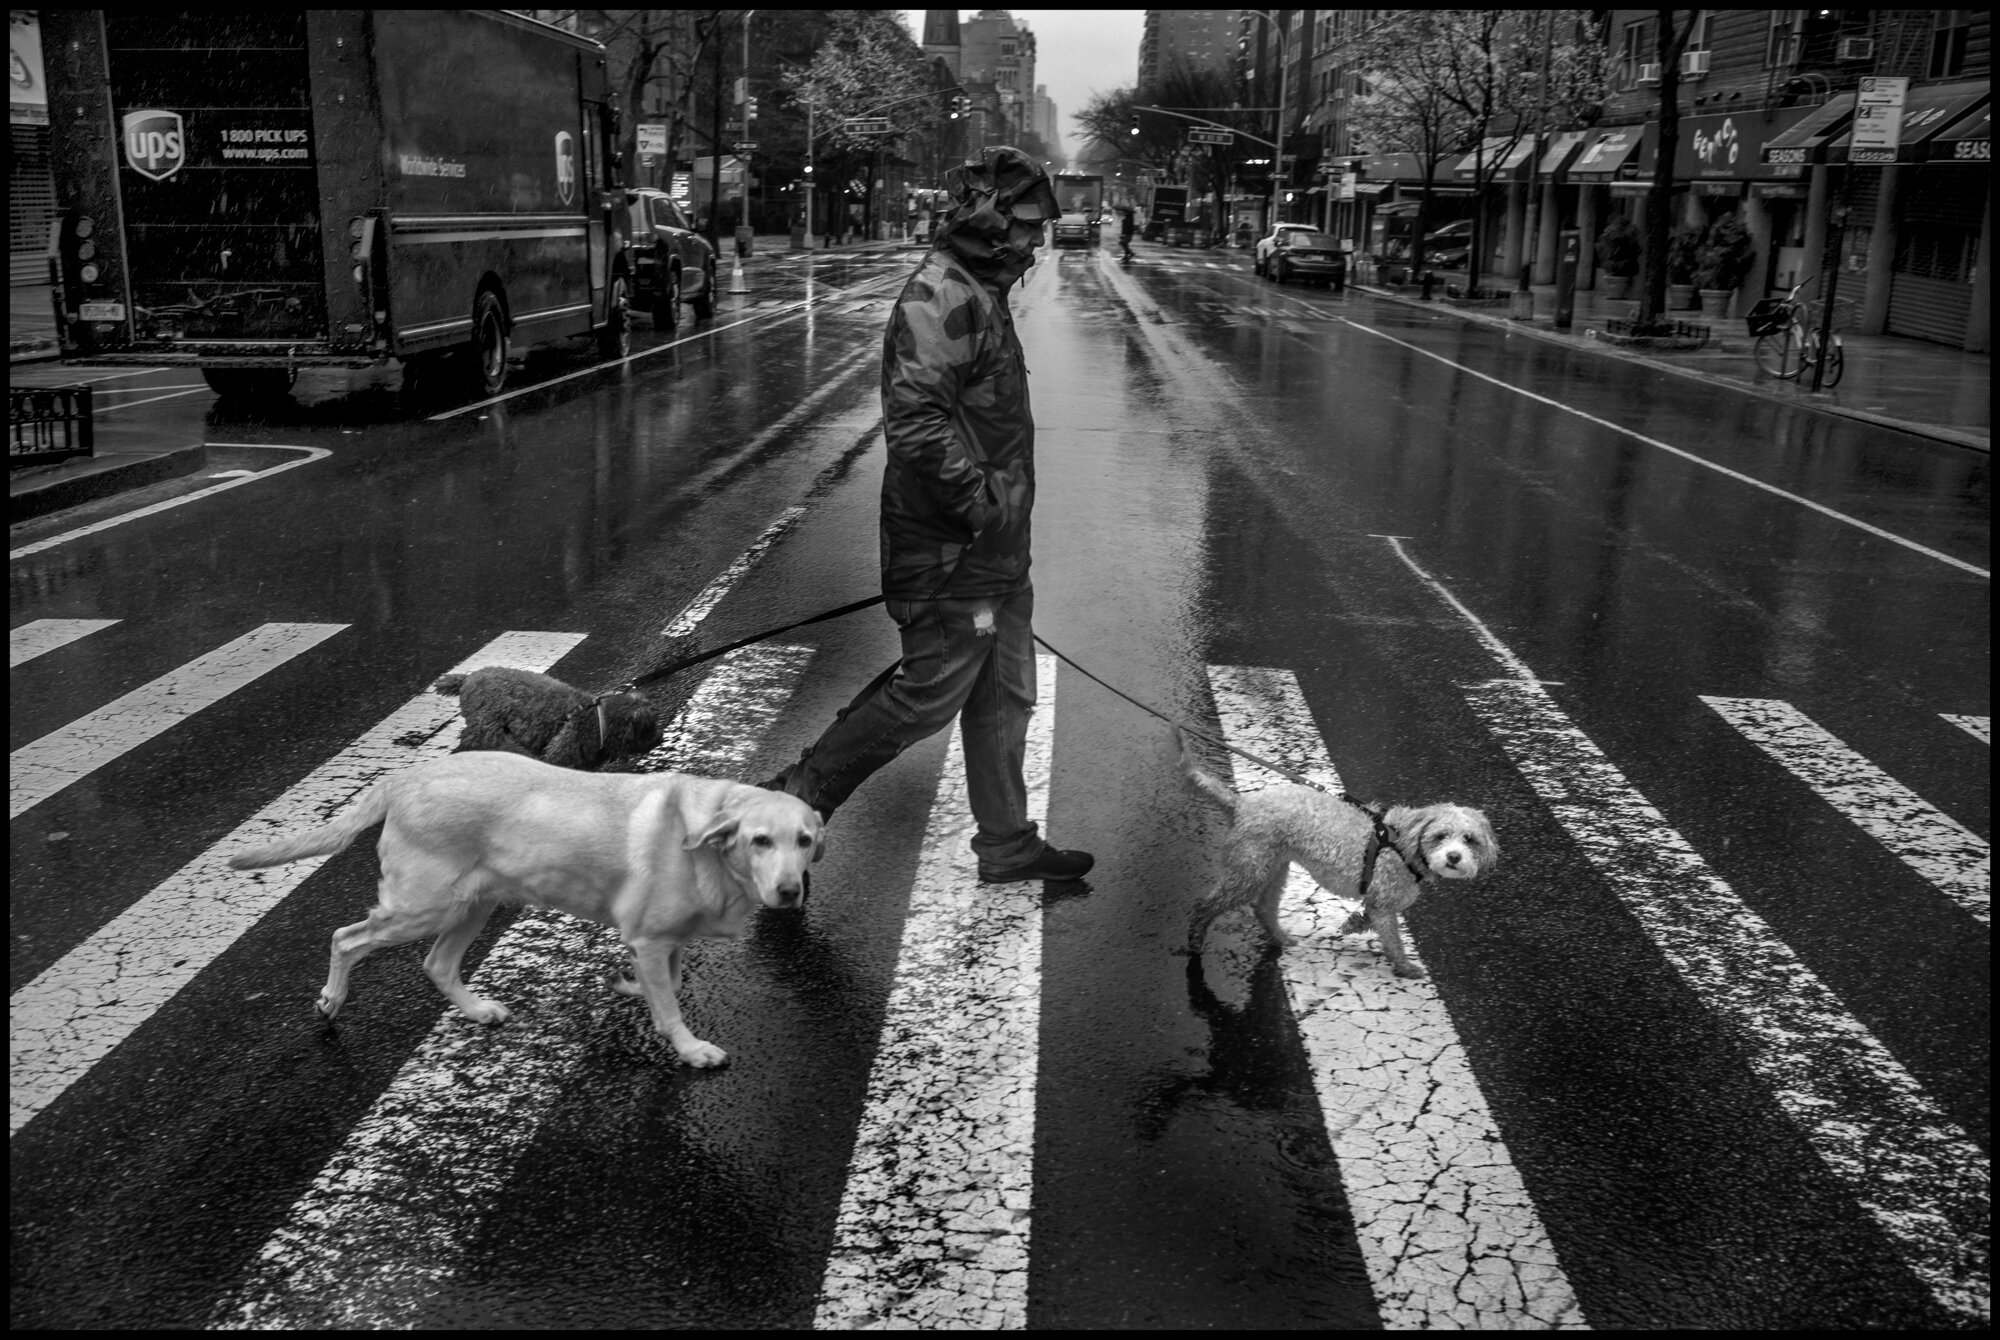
{"points": [[155, 143]]}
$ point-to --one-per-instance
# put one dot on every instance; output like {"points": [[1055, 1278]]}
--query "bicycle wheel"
{"points": [[1836, 363], [1778, 354]]}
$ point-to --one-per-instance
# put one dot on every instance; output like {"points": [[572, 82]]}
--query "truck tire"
{"points": [[487, 351], [615, 339], [250, 384], [667, 301], [704, 303]]}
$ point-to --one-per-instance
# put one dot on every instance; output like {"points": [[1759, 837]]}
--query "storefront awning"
{"points": [[1499, 155], [1372, 187], [1806, 142], [1563, 148], [1927, 111], [1967, 140], [1609, 156]]}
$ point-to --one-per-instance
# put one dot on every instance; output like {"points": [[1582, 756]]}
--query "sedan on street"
{"points": [[1261, 258], [672, 263], [1313, 257]]}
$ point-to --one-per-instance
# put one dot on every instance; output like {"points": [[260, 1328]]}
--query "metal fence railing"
{"points": [[50, 423]]}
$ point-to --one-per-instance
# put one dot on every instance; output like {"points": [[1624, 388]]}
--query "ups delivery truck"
{"points": [[252, 192]]}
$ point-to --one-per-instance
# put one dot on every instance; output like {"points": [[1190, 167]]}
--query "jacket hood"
{"points": [[985, 193]]}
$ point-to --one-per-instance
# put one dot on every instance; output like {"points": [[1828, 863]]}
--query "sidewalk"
{"points": [[1926, 389]]}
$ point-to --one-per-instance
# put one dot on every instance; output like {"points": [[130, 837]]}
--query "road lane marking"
{"points": [[42, 636], [312, 454], [1929, 841], [1737, 475], [1923, 1180], [1420, 1154], [776, 316], [385, 1222], [1979, 728], [141, 390], [134, 404], [40, 768], [933, 1225], [82, 1006]]}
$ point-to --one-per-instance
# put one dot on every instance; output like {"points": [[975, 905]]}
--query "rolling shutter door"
{"points": [[1937, 239], [31, 203]]}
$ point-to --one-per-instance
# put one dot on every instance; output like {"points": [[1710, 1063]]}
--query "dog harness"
{"points": [[1383, 836]]}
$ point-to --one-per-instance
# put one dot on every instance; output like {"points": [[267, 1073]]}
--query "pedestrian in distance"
{"points": [[957, 492], [1127, 225]]}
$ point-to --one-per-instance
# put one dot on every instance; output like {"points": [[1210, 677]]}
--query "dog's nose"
{"points": [[1452, 857]]}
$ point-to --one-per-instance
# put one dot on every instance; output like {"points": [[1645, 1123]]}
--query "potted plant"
{"points": [[1617, 257], [1683, 250], [1725, 260]]}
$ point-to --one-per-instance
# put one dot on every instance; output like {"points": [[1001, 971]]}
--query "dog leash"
{"points": [[685, 662]]}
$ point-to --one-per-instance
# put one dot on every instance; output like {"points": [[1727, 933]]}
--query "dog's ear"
{"points": [[1485, 829], [718, 832]]}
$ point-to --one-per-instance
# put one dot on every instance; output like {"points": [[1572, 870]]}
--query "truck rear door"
{"points": [[216, 174]]}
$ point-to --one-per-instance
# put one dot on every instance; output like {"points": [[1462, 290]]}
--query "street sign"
{"points": [[652, 138], [1878, 119], [1203, 135], [745, 146], [865, 125]]}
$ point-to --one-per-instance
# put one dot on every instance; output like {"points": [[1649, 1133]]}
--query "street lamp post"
{"points": [[1284, 77]]}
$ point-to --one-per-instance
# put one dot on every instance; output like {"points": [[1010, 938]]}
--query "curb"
{"points": [[29, 498], [1937, 432], [32, 351]]}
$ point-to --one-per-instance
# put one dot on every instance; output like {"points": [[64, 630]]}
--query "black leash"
{"points": [[1382, 837]]}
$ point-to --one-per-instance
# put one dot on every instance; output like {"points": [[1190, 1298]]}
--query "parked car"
{"points": [[1313, 257], [671, 262], [1078, 229], [1262, 256], [1450, 247]]}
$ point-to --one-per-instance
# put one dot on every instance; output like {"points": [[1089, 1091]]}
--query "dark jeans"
{"points": [[949, 668]]}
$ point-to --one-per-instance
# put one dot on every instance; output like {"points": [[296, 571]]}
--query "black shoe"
{"points": [[1052, 863]]}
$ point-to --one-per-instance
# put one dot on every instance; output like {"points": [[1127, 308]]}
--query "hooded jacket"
{"points": [[959, 486]]}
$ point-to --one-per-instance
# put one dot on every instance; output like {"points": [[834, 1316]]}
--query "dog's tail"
{"points": [[325, 840], [1204, 781], [449, 684]]}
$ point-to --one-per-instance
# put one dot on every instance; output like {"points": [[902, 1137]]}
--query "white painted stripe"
{"points": [[1929, 841], [1737, 475], [933, 1224], [141, 390], [40, 768], [134, 404], [388, 1216], [1980, 728], [776, 316], [43, 636], [81, 1007], [1421, 1156], [312, 454], [1924, 1181], [712, 594]]}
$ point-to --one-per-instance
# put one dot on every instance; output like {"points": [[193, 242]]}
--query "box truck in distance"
{"points": [[252, 192]]}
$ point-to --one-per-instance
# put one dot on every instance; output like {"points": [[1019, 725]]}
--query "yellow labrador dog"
{"points": [[664, 857]]}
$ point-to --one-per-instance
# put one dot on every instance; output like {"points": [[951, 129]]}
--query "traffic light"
{"points": [[750, 109]]}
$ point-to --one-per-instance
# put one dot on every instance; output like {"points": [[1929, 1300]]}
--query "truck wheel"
{"points": [[615, 340], [704, 305], [487, 373], [667, 302], [250, 384]]}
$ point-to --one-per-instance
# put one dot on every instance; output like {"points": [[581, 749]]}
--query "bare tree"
{"points": [[867, 65], [1653, 252]]}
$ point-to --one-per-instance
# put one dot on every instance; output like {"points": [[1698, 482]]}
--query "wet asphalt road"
{"points": [[1709, 1049]]}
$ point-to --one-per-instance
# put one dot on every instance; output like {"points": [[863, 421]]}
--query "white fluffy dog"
{"points": [[1330, 836]]}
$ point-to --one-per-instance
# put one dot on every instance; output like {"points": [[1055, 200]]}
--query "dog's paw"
{"points": [[623, 983], [488, 1012], [326, 1006], [1409, 970], [701, 1055]]}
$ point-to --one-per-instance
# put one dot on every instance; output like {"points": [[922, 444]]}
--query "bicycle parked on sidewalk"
{"points": [[1788, 341]]}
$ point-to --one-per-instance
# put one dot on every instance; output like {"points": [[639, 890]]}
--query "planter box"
{"points": [[1680, 297], [1617, 287], [1715, 302]]}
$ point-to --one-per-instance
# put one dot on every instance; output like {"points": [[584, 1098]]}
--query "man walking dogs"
{"points": [[956, 496]]}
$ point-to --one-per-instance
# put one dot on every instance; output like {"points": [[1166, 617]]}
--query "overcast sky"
{"points": [[1078, 52]]}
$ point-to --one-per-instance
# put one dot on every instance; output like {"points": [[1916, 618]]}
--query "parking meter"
{"points": [[1566, 279]]}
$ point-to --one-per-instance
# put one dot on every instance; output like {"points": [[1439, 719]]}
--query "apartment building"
{"points": [[1202, 37]]}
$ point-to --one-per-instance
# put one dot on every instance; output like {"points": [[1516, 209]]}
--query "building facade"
{"points": [[1202, 37]]}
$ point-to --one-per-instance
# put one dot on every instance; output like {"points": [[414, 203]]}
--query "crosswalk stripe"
{"points": [[43, 636], [383, 1223], [1979, 728], [40, 768], [1906, 1164], [933, 1225], [1420, 1154], [1929, 841], [82, 1006]]}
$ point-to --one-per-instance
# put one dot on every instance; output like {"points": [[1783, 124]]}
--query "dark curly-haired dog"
{"points": [[523, 712]]}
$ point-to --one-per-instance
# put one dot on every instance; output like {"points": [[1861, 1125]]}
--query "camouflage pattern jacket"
{"points": [[960, 482]]}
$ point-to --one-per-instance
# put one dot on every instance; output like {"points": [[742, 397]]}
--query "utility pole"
{"points": [[715, 139]]}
